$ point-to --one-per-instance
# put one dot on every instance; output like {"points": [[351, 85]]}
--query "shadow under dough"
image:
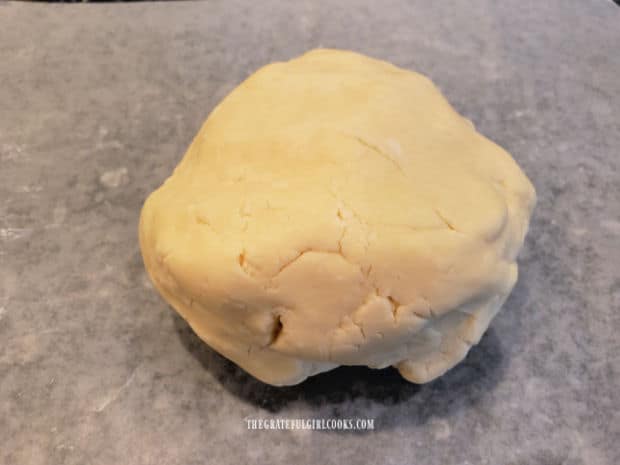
{"points": [[464, 385]]}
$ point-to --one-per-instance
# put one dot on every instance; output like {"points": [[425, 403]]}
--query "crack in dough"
{"points": [[443, 218], [375, 149]]}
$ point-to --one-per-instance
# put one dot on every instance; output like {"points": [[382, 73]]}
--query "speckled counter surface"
{"points": [[97, 105]]}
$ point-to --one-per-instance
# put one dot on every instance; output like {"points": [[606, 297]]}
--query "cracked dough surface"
{"points": [[335, 209]]}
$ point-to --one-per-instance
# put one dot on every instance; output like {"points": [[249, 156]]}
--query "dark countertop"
{"points": [[98, 102]]}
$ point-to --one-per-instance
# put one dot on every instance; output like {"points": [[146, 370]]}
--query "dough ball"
{"points": [[336, 210]]}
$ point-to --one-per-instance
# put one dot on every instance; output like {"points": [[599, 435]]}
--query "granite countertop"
{"points": [[97, 104]]}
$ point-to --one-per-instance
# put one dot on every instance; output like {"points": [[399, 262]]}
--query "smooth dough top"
{"points": [[335, 209]]}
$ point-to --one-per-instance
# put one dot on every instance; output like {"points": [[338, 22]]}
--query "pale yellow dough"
{"points": [[336, 210]]}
